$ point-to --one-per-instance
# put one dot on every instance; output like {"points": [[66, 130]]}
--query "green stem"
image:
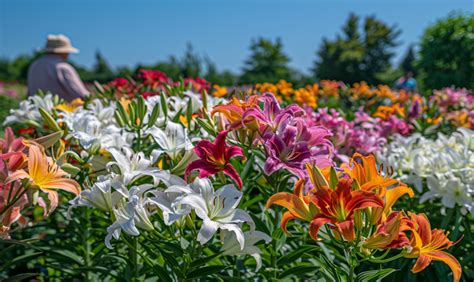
{"points": [[386, 260], [85, 242], [132, 252]]}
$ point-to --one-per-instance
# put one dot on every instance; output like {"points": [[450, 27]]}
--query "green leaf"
{"points": [[374, 275], [164, 104], [23, 277], [298, 270], [205, 271], [295, 254], [203, 261]]}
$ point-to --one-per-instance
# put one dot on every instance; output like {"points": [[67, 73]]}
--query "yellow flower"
{"points": [[71, 106], [219, 91]]}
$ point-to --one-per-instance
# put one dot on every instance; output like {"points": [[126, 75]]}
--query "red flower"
{"points": [[214, 158], [24, 131], [152, 77], [149, 94], [198, 83], [119, 82]]}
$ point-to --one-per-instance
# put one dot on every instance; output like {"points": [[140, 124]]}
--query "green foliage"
{"points": [[447, 52], [353, 56], [267, 62], [408, 61], [6, 103]]}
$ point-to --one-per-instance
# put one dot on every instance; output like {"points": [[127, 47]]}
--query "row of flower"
{"points": [[171, 182]]}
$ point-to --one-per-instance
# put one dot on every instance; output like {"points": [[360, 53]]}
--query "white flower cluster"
{"points": [[447, 165], [28, 110]]}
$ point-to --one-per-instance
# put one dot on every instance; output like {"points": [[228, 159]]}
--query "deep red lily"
{"points": [[215, 157]]}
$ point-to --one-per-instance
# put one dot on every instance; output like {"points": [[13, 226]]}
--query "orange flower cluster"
{"points": [[356, 205]]}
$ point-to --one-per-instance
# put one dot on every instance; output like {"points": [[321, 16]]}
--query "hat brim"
{"points": [[61, 50]]}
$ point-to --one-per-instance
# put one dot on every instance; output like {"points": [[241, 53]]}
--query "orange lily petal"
{"points": [[448, 259]]}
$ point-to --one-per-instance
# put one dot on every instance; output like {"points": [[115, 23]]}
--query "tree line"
{"points": [[362, 51]]}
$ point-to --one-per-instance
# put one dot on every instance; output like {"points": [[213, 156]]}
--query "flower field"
{"points": [[150, 178]]}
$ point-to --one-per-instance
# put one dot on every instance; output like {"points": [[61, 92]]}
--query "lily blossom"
{"points": [[218, 210], [130, 213], [11, 214], [11, 150], [172, 140], [390, 234], [337, 206], [44, 174], [234, 110], [427, 245], [231, 246], [129, 166], [272, 116], [215, 157], [299, 206]]}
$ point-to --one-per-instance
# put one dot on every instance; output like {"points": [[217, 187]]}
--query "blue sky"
{"points": [[131, 32]]}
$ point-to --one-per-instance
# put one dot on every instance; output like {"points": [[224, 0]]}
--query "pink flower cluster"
{"points": [[364, 134]]}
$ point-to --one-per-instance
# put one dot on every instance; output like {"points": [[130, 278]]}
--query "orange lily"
{"points": [[298, 205], [427, 245], [44, 174], [338, 206], [390, 234], [234, 110], [363, 169]]}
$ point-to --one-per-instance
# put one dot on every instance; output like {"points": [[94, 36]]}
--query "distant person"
{"points": [[51, 72], [406, 82]]}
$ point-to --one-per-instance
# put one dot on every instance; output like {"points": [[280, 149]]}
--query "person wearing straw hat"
{"points": [[51, 72]]}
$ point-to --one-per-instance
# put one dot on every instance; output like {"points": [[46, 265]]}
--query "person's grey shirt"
{"points": [[51, 73]]}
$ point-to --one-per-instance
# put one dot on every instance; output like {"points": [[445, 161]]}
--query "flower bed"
{"points": [[155, 179]]}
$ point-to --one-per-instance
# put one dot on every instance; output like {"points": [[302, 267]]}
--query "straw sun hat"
{"points": [[59, 44]]}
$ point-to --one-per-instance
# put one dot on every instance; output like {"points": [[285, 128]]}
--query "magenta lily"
{"points": [[215, 157], [295, 144], [272, 116]]}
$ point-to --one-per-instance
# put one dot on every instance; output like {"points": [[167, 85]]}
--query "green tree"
{"points": [[408, 62], [191, 64], [355, 56], [267, 62], [101, 70], [225, 78], [447, 52]]}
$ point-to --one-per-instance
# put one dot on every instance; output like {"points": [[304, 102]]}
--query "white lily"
{"points": [[231, 246], [98, 196], [168, 201], [29, 109], [130, 167], [217, 209], [130, 214], [172, 141], [446, 163]]}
